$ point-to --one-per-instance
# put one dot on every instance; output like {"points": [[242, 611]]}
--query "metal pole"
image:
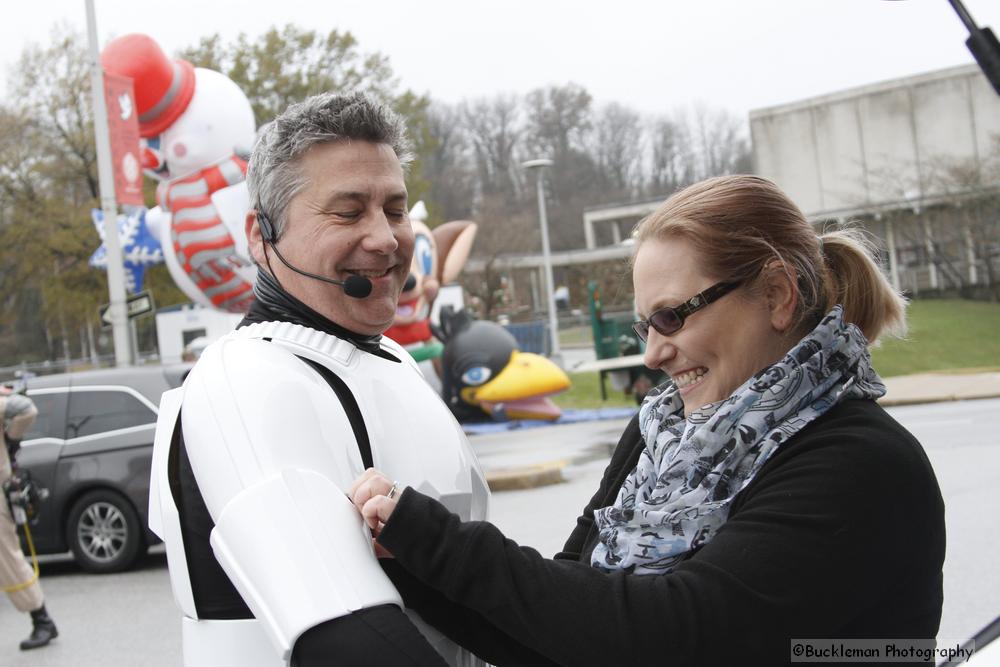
{"points": [[890, 241], [116, 274], [970, 256], [982, 43], [964, 15], [555, 355], [134, 339], [929, 244]]}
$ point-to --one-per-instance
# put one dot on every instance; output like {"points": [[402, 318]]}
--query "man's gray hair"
{"points": [[274, 175]]}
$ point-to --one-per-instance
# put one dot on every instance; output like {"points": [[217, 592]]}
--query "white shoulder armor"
{"points": [[274, 447], [273, 454], [164, 518], [414, 437]]}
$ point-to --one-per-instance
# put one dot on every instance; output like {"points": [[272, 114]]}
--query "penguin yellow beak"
{"points": [[519, 387]]}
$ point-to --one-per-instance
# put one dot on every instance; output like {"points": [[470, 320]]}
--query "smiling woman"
{"points": [[737, 511], [778, 279]]}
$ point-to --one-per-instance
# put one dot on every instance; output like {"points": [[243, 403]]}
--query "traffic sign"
{"points": [[135, 305]]}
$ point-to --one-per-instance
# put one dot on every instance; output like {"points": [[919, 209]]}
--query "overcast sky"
{"points": [[651, 55]]}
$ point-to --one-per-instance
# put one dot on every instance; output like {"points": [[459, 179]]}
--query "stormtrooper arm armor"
{"points": [[273, 451]]}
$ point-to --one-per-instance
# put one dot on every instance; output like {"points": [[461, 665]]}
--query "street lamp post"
{"points": [[538, 166], [109, 205]]}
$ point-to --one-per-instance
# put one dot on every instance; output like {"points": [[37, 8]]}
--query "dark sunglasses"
{"points": [[670, 319]]}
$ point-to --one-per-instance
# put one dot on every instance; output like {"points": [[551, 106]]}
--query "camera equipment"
{"points": [[25, 496]]}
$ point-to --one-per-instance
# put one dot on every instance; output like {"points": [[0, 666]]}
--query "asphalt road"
{"points": [[129, 619]]}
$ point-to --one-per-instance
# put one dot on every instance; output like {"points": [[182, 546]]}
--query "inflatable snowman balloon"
{"points": [[198, 129]]}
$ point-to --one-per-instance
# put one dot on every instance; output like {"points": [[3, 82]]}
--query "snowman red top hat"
{"points": [[163, 88]]}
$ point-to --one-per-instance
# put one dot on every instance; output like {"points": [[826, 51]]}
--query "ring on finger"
{"points": [[393, 491]]}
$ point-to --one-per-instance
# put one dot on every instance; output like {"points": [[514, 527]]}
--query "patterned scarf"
{"points": [[690, 470]]}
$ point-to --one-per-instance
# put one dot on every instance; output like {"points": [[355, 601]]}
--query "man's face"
{"points": [[349, 219]]}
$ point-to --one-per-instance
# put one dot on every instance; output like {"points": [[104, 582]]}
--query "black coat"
{"points": [[841, 534]]}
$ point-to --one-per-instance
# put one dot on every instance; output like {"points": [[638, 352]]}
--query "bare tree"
{"points": [[672, 163], [719, 142], [504, 229], [558, 126], [959, 202], [558, 119], [493, 128], [617, 149], [977, 210], [450, 167]]}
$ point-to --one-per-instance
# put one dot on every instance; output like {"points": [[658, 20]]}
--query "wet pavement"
{"points": [[130, 619]]}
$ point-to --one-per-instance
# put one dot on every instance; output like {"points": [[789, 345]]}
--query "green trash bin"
{"points": [[613, 336]]}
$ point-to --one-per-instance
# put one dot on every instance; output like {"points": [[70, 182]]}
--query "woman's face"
{"points": [[720, 346]]}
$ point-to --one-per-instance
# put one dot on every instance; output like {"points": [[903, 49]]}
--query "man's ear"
{"points": [[782, 292], [255, 240]]}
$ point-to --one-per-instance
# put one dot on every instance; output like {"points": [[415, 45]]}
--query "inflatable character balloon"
{"points": [[198, 129], [438, 258], [139, 248], [486, 376]]}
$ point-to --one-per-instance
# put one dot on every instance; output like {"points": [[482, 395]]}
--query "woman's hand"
{"points": [[375, 496]]}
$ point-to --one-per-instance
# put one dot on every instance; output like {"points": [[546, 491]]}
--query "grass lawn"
{"points": [[585, 393], [945, 335], [573, 336]]}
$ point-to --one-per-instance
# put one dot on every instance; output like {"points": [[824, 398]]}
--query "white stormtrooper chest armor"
{"points": [[276, 418]]}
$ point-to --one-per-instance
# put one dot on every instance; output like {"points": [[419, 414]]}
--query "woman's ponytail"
{"points": [[855, 280]]}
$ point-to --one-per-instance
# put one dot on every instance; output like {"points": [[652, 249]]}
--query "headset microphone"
{"points": [[357, 287]]}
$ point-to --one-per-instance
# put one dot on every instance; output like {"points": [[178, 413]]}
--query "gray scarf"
{"points": [[690, 470]]}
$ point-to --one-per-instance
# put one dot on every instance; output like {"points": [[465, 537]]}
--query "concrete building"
{"points": [[916, 160]]}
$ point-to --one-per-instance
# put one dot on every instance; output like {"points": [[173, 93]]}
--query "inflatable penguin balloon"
{"points": [[486, 376], [197, 128]]}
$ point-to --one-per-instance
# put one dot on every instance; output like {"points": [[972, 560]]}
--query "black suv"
{"points": [[91, 447]]}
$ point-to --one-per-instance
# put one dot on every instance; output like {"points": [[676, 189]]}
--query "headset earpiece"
{"points": [[266, 228]]}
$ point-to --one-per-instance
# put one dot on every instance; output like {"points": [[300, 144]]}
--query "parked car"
{"points": [[91, 447]]}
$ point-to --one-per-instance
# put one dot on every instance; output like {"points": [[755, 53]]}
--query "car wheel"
{"points": [[104, 532]]}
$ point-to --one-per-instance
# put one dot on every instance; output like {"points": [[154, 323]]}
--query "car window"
{"points": [[51, 420], [93, 412]]}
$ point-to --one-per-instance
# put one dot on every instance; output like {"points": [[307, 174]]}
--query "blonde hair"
{"points": [[739, 224]]}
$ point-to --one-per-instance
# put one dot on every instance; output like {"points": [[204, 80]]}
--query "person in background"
{"points": [[760, 495], [17, 578]]}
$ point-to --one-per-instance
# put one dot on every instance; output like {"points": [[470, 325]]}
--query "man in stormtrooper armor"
{"points": [[269, 561]]}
